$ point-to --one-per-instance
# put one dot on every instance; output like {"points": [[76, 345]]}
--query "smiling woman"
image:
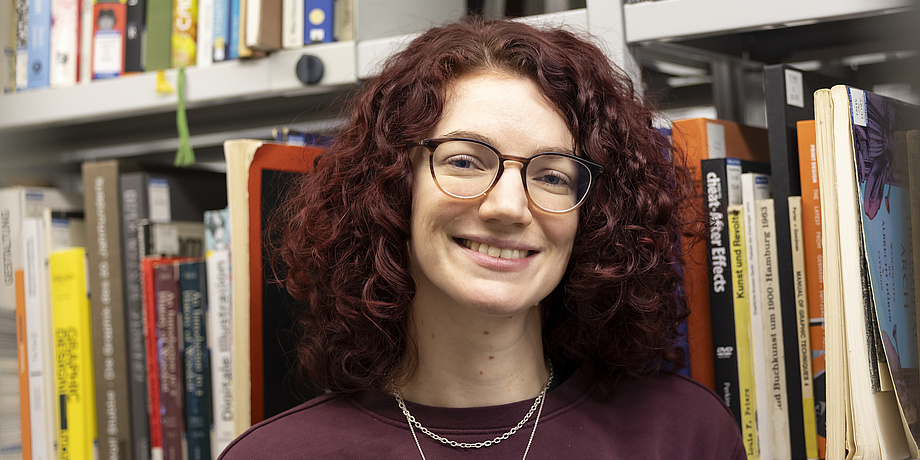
{"points": [[488, 263]]}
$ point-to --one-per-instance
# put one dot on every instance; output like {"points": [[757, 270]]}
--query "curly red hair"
{"points": [[619, 307]]}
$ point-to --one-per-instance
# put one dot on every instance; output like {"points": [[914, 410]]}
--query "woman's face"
{"points": [[452, 238]]}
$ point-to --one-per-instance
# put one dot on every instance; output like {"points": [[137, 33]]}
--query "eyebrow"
{"points": [[487, 140]]}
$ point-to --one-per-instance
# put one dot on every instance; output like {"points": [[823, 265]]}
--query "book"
{"points": [[65, 41], [756, 186], [773, 346], [263, 25], [158, 41], [233, 33], [195, 358], [802, 325], [292, 23], [39, 44], [104, 245], [221, 39], [343, 16], [220, 322], [319, 19], [721, 189], [787, 90], [700, 138], [151, 357], [184, 33], [73, 354], [22, 355], [857, 146], [814, 269], [85, 55], [135, 30], [747, 395], [21, 63], [257, 176], [109, 32], [204, 37], [166, 304], [8, 46]]}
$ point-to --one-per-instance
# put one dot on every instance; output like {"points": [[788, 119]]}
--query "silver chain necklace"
{"points": [[536, 407]]}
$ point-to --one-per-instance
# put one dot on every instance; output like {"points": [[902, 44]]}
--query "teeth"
{"points": [[495, 251]]}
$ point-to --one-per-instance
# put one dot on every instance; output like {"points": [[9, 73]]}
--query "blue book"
{"points": [[234, 30], [196, 361], [221, 42], [39, 44], [318, 20]]}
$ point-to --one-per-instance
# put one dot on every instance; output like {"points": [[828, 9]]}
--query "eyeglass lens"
{"points": [[466, 169]]}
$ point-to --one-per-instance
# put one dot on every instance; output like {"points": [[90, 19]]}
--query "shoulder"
{"points": [[667, 412], [290, 433]]}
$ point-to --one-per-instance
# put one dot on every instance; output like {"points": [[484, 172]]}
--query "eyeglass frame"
{"points": [[431, 144]]}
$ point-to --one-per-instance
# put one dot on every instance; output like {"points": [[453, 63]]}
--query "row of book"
{"points": [[810, 335], [58, 43]]}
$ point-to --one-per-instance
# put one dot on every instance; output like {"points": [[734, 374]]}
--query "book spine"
{"points": [[715, 192], [292, 24], [151, 338], [134, 206], [40, 385], [318, 21], [220, 324], [22, 45], [22, 356], [814, 268], [135, 18], [184, 33], [166, 291], [774, 353], [10, 223], [159, 35], [740, 289], [73, 354], [85, 56], [344, 20], [104, 246], [109, 31], [221, 41], [39, 44], [196, 359], [7, 47], [65, 32], [235, 28], [205, 36], [804, 344]]}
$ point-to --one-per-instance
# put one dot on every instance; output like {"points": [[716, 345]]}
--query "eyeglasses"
{"points": [[468, 168]]}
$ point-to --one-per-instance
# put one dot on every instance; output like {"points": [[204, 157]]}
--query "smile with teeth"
{"points": [[495, 251]]}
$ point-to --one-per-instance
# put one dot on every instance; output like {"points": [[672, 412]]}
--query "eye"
{"points": [[462, 162], [551, 178]]}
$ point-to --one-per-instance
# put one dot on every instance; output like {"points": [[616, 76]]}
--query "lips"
{"points": [[495, 251]]}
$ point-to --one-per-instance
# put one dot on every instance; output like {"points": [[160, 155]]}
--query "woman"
{"points": [[489, 252]]}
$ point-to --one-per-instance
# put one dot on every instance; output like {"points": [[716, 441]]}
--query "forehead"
{"points": [[510, 111]]}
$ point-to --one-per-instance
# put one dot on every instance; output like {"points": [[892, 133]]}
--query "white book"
{"points": [[65, 33], [39, 339], [205, 37], [756, 186], [292, 24], [774, 351], [220, 324]]}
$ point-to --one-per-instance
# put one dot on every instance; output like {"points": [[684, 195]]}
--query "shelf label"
{"points": [[715, 138], [158, 196], [858, 107], [795, 93]]}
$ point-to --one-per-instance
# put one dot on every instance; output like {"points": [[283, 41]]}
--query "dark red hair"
{"points": [[619, 306]]}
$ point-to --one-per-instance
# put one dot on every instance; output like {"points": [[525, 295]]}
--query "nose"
{"points": [[507, 201]]}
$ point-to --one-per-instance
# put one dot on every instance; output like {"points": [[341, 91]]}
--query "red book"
{"points": [[109, 31]]}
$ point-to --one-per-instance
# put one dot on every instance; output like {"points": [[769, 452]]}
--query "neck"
{"points": [[473, 360]]}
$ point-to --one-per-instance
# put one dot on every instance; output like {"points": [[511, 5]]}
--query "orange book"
{"points": [[814, 253], [22, 354], [697, 139]]}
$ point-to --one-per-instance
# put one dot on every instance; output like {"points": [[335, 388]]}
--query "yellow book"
{"points": [[741, 305], [73, 354], [802, 332]]}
